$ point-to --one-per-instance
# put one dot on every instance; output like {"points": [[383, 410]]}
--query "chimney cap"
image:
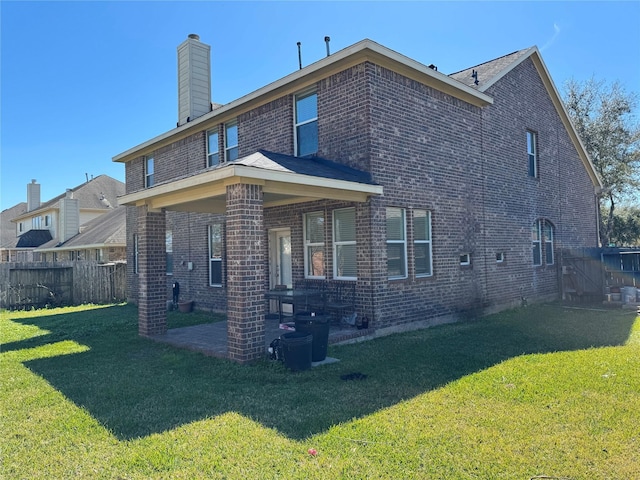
{"points": [[195, 36]]}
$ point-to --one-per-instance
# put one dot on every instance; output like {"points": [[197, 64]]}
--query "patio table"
{"points": [[293, 296]]}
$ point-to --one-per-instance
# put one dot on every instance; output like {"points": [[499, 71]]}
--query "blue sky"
{"points": [[84, 81]]}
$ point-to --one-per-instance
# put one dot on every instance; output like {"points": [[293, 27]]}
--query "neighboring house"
{"points": [[55, 222], [434, 195], [8, 239], [102, 239]]}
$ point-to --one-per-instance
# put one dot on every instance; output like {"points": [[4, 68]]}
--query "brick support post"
{"points": [[152, 295], [246, 254]]}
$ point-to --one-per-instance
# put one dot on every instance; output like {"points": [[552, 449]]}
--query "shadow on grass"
{"points": [[136, 387]]}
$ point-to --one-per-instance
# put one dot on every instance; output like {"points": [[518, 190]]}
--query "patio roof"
{"points": [[285, 180]]}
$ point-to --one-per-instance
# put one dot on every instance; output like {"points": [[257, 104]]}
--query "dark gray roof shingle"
{"points": [[33, 238]]}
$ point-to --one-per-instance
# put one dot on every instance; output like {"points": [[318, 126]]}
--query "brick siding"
{"points": [[465, 164]]}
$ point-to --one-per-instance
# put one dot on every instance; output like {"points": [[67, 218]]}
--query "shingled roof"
{"points": [[33, 238], [489, 72], [99, 193], [106, 230], [8, 238]]}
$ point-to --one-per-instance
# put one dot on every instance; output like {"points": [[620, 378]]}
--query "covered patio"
{"points": [[240, 190], [211, 338]]}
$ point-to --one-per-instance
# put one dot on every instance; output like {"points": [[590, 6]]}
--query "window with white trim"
{"points": [[422, 243], [465, 259], [148, 172], [36, 222], [169, 251], [344, 244], [396, 243], [231, 141], [213, 148], [314, 256], [542, 242], [306, 123], [532, 153], [215, 255]]}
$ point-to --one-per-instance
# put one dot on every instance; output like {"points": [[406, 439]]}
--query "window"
{"points": [[98, 255], [500, 257], [55, 256], [422, 242], [231, 141], [344, 244], [215, 255], [314, 245], [135, 254], [532, 154], [542, 241], [47, 220], [36, 222], [306, 124], [148, 172], [20, 227], [396, 243], [213, 147], [465, 260], [168, 237]]}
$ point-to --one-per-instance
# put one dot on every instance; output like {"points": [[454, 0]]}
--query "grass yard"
{"points": [[540, 392]]}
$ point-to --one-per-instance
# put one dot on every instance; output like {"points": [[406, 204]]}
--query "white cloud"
{"points": [[556, 32]]}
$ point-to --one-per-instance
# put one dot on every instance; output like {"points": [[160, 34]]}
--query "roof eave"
{"points": [[365, 50]]}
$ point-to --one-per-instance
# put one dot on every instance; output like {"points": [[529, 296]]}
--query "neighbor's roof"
{"points": [[108, 230], [33, 238], [8, 237], [99, 193]]}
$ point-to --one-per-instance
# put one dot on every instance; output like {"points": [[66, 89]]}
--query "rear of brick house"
{"points": [[444, 194]]}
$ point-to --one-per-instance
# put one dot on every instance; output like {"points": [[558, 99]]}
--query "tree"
{"points": [[604, 119], [626, 227]]}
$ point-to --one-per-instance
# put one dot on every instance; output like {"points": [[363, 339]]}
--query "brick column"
{"points": [[152, 295], [246, 253]]}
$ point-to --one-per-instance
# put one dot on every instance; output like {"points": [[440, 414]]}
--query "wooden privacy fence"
{"points": [[37, 284]]}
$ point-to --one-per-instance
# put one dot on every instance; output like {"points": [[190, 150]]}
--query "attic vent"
{"points": [[474, 75]]}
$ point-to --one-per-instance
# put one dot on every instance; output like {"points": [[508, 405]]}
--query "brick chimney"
{"points": [[33, 195], [194, 79]]}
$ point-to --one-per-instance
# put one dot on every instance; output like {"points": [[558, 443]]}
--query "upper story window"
{"points": [[36, 222], [396, 243], [47, 220], [314, 245], [306, 123], [344, 244], [20, 227], [422, 243], [532, 153], [231, 141], [148, 172], [213, 148], [542, 242]]}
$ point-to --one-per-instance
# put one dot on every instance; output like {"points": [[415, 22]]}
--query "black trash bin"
{"points": [[296, 350], [318, 326]]}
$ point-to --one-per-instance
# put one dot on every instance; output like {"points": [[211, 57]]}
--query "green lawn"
{"points": [[540, 391]]}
